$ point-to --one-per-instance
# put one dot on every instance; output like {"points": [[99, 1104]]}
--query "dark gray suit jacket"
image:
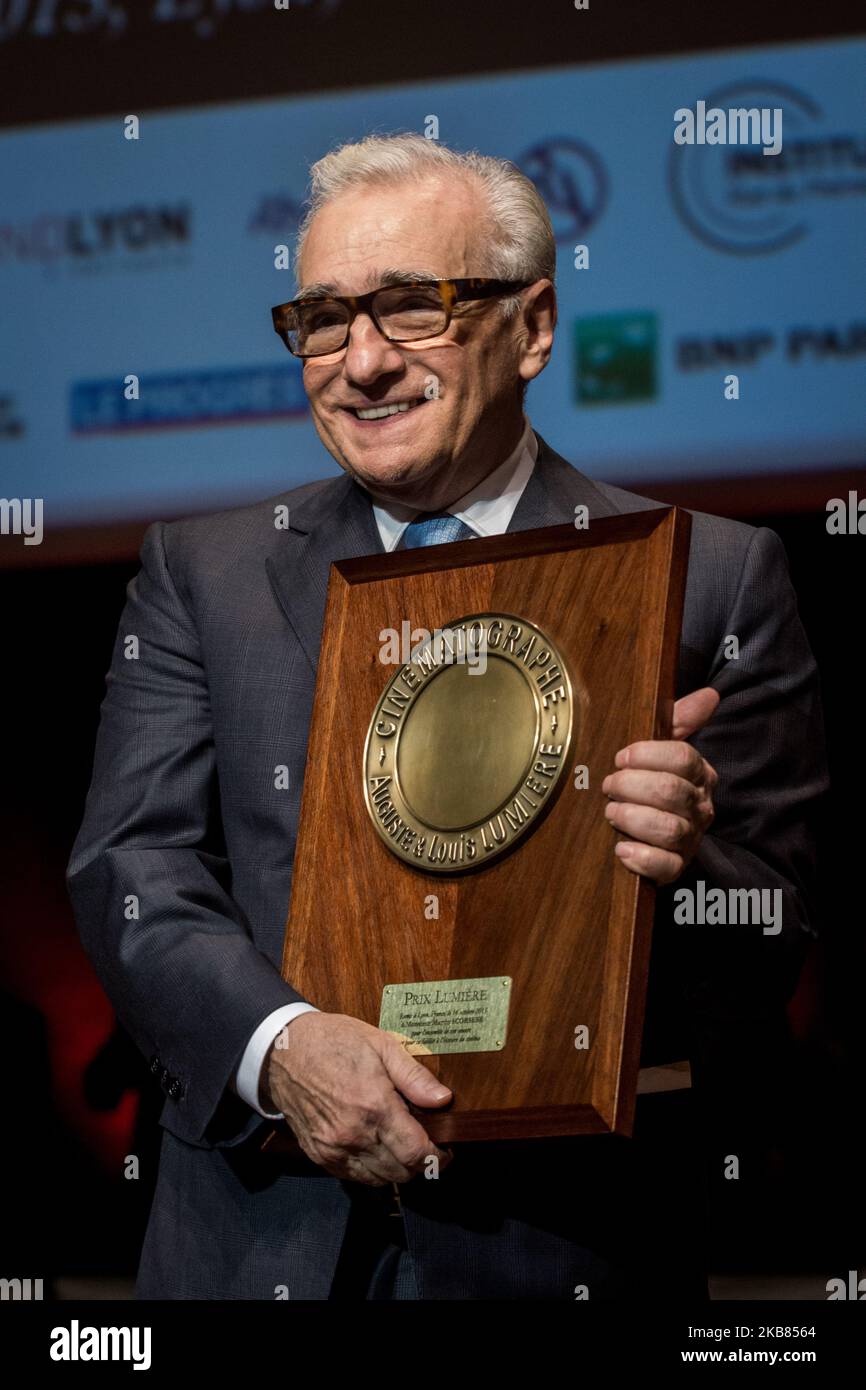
{"points": [[181, 872]]}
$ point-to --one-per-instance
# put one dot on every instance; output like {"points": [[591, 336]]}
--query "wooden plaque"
{"points": [[555, 921]]}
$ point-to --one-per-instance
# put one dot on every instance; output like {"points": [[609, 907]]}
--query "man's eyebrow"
{"points": [[317, 291], [406, 277], [387, 278]]}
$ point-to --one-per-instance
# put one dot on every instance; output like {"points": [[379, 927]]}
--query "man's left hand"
{"points": [[661, 794]]}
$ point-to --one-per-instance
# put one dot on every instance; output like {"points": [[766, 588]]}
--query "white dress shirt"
{"points": [[487, 509]]}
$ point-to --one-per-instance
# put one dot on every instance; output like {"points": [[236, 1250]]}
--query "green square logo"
{"points": [[615, 359]]}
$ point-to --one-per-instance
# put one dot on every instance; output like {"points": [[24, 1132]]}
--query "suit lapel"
{"points": [[336, 522], [554, 489]]}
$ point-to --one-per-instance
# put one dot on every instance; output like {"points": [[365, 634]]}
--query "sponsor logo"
{"points": [[735, 200], [572, 180], [615, 358], [275, 214], [801, 343], [113, 239], [11, 423], [213, 397]]}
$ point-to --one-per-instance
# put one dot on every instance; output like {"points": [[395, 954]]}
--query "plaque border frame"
{"points": [[615, 1078]]}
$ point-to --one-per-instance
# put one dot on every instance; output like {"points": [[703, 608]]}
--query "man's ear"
{"points": [[538, 323]]}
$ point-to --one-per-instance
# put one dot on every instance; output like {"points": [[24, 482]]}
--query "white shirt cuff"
{"points": [[248, 1075]]}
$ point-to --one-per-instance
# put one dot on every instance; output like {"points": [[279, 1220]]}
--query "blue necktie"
{"points": [[434, 528]]}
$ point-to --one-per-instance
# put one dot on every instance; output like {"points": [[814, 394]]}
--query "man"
{"points": [[182, 870]]}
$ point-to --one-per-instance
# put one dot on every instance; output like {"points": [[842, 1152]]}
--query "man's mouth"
{"points": [[381, 412]]}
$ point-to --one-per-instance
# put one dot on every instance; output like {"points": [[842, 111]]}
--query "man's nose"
{"points": [[369, 355]]}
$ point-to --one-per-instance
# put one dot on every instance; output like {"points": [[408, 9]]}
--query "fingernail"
{"points": [[624, 851], [440, 1092]]}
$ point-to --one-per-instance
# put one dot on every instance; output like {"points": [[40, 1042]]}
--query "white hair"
{"points": [[519, 243]]}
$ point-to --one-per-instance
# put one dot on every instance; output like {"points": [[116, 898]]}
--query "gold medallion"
{"points": [[468, 742]]}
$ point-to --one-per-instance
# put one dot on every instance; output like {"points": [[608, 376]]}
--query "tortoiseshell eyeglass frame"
{"points": [[451, 292]]}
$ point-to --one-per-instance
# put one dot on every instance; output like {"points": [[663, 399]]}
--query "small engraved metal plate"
{"points": [[439, 1016]]}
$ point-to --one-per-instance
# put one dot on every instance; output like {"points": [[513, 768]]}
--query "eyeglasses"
{"points": [[402, 313]]}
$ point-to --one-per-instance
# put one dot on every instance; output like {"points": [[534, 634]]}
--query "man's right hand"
{"points": [[339, 1083]]}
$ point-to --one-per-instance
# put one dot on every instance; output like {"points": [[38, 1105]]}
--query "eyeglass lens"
{"points": [[404, 313]]}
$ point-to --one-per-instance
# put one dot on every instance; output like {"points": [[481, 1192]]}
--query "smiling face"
{"points": [[434, 451]]}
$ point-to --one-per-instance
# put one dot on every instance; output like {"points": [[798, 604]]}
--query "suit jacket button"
{"points": [[175, 1090], [155, 1065]]}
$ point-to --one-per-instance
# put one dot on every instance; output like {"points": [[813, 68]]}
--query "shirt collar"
{"points": [[487, 508]]}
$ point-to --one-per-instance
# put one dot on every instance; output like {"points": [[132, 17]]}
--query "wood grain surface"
{"points": [[559, 913]]}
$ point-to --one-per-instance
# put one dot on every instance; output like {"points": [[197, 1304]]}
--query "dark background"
{"points": [[65, 60]]}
